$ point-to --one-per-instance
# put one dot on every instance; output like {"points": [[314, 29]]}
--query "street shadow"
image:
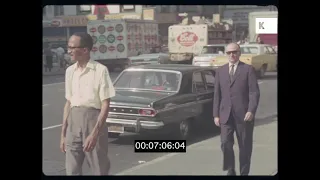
{"points": [[198, 135]]}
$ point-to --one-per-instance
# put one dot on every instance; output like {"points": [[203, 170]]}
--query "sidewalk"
{"points": [[205, 158], [54, 71]]}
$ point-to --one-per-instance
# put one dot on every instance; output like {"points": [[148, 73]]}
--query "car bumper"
{"points": [[135, 125]]}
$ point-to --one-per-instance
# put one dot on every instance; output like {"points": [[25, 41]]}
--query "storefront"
{"points": [[62, 27]]}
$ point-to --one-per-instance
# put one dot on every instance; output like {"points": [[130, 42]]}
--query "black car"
{"points": [[151, 98]]}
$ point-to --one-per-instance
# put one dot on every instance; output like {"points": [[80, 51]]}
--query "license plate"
{"points": [[116, 128]]}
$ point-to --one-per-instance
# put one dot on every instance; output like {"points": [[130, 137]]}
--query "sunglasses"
{"points": [[233, 52]]}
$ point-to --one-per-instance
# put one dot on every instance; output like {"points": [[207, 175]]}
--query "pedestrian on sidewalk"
{"points": [[88, 92], [48, 58], [236, 98]]}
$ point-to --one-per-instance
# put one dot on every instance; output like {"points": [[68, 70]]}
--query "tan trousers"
{"points": [[81, 122]]}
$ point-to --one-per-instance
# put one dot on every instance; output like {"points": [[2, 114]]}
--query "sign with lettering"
{"points": [[267, 25], [74, 21], [187, 38]]}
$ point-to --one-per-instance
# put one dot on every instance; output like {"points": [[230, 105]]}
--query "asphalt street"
{"points": [[121, 151]]}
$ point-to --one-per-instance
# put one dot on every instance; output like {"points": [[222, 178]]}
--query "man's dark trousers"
{"points": [[244, 133]]}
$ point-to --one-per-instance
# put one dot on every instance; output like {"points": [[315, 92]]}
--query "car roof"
{"points": [[215, 45], [183, 68]]}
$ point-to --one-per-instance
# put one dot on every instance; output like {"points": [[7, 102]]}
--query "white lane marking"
{"points": [[46, 85], [260, 82], [51, 127], [43, 105]]}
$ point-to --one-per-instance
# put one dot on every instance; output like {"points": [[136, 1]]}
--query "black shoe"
{"points": [[231, 172]]}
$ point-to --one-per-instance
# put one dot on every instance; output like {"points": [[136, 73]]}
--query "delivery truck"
{"points": [[117, 40]]}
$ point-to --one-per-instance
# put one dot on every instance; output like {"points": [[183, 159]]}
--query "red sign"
{"points": [[187, 38], [93, 29], [111, 48], [119, 38], [55, 23], [94, 49], [110, 28]]}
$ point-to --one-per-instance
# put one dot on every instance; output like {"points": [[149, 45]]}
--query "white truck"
{"points": [[266, 38], [186, 41], [117, 40]]}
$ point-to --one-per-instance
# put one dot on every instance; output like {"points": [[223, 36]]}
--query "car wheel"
{"points": [[113, 135], [183, 131], [262, 71]]}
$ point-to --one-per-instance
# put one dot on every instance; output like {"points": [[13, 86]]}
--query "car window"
{"points": [[265, 50], [148, 80], [198, 84], [271, 50], [249, 50], [209, 77]]}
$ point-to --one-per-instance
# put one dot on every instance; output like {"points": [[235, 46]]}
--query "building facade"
{"points": [[60, 22]]}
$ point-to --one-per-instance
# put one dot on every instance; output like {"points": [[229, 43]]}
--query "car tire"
{"points": [[262, 71], [113, 135], [182, 131]]}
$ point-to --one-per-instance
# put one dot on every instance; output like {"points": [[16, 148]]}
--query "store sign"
{"points": [[148, 14], [71, 21], [117, 16]]}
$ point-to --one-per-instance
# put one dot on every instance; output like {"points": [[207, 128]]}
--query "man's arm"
{"points": [[254, 91], [67, 106], [66, 111], [106, 91], [217, 95]]}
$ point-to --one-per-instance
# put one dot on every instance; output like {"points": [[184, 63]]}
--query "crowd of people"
{"points": [[50, 55]]}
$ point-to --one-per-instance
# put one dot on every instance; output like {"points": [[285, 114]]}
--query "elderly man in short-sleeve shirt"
{"points": [[88, 89]]}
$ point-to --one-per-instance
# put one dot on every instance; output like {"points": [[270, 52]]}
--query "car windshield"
{"points": [[249, 50], [149, 80], [212, 50]]}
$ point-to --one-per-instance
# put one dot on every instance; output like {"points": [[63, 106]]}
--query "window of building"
{"points": [[58, 10], [44, 10], [83, 9], [127, 8]]}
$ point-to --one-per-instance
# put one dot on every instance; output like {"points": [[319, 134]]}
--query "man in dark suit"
{"points": [[236, 98]]}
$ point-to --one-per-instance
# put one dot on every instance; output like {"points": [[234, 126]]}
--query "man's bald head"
{"points": [[233, 47], [233, 52]]}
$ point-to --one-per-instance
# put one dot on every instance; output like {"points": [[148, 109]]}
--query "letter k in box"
{"points": [[266, 25]]}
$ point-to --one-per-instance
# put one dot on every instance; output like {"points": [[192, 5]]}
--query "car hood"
{"points": [[151, 56], [137, 98]]}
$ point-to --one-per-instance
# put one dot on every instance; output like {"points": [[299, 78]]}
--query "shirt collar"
{"points": [[235, 64], [90, 65]]}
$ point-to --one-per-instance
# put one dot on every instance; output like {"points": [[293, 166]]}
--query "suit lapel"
{"points": [[237, 73]]}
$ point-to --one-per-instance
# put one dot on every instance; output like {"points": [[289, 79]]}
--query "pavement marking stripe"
{"points": [[46, 85], [51, 127], [260, 82], [43, 105]]}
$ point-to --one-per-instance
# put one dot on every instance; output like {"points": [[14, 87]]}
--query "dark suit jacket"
{"points": [[241, 96]]}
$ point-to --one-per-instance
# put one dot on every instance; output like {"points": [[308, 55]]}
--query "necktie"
{"points": [[231, 72]]}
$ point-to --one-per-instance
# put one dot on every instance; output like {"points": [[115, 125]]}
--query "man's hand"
{"points": [[63, 145], [90, 143], [248, 117], [217, 121]]}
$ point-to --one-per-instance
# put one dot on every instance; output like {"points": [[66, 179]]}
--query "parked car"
{"points": [[171, 98], [208, 53], [143, 59], [261, 56]]}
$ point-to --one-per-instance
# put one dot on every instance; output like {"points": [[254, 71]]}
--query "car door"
{"points": [[209, 79], [200, 90], [273, 59]]}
